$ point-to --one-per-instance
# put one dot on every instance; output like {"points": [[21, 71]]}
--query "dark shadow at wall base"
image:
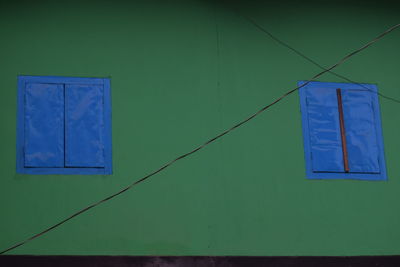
{"points": [[232, 261]]}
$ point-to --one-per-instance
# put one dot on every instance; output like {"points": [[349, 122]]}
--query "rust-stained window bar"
{"points": [[342, 130]]}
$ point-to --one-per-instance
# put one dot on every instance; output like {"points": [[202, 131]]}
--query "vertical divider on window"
{"points": [[342, 130]]}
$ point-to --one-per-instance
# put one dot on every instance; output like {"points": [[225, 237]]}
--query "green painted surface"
{"points": [[173, 88]]}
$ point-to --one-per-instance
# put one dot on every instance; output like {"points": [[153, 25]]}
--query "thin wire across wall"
{"points": [[301, 54], [203, 145]]}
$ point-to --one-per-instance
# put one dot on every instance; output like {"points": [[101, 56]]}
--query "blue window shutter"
{"points": [[361, 134], [44, 125], [362, 140], [84, 122], [64, 125], [325, 140]]}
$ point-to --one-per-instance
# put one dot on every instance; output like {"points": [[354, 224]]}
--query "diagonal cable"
{"points": [[272, 36]]}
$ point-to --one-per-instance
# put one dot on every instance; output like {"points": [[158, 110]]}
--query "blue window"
{"points": [[64, 125], [342, 131]]}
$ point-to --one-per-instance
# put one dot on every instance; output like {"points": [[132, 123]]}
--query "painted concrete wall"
{"points": [[182, 72]]}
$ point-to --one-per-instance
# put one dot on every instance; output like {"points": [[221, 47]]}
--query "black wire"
{"points": [[203, 145], [264, 30]]}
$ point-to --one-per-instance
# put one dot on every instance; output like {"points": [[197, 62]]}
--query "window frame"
{"points": [[20, 166], [310, 174]]}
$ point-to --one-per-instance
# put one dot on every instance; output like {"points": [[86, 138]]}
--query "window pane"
{"points": [[360, 128], [325, 140], [44, 125], [84, 126]]}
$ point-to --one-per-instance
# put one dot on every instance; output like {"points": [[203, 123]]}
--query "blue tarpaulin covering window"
{"points": [[342, 131], [64, 125]]}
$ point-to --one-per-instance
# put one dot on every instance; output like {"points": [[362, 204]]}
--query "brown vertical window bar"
{"points": [[342, 130]]}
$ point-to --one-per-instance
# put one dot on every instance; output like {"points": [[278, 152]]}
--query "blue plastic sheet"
{"points": [[64, 125], [44, 125], [84, 126], [326, 144], [323, 119], [322, 133], [361, 134]]}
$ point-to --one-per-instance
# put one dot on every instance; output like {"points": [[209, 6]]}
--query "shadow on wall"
{"points": [[125, 261], [257, 8]]}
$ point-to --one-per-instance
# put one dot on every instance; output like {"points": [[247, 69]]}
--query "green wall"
{"points": [[182, 72]]}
